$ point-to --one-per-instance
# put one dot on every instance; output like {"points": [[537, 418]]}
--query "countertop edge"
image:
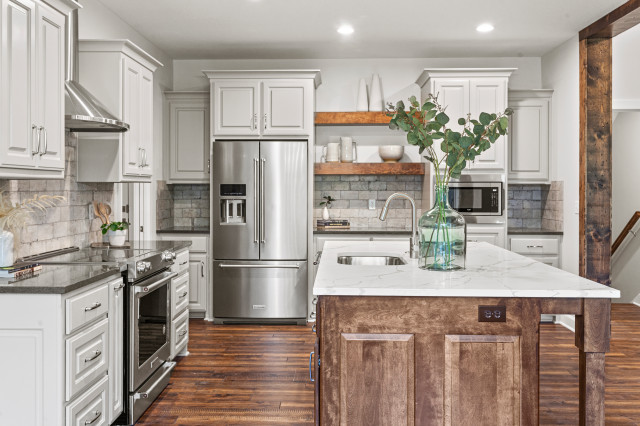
{"points": [[17, 289]]}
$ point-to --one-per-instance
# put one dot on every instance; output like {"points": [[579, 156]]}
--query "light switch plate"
{"points": [[372, 204]]}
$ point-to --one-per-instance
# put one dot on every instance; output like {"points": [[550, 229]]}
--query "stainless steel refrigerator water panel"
{"points": [[259, 290]]}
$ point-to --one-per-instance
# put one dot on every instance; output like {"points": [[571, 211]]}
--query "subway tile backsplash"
{"points": [[70, 222], [182, 205]]}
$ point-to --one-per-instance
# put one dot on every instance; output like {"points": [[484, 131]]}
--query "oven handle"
{"points": [[147, 288]]}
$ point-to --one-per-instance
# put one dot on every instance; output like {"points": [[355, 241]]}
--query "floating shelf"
{"points": [[355, 118], [369, 168]]}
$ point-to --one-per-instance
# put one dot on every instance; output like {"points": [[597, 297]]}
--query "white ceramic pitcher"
{"points": [[348, 150]]}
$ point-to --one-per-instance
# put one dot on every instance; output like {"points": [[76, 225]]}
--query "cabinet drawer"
{"points": [[181, 263], [534, 245], [179, 294], [91, 407], [86, 356], [548, 260], [179, 333], [198, 244], [86, 307]]}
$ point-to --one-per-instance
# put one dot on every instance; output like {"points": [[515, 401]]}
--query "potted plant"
{"points": [[327, 204], [117, 232], [14, 217], [442, 229]]}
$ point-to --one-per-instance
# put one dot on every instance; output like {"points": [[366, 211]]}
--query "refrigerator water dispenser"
{"points": [[233, 207]]}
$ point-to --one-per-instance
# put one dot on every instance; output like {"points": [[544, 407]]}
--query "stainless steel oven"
{"points": [[479, 195]]}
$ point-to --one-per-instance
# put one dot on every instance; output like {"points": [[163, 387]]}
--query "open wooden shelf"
{"points": [[355, 118], [369, 168]]}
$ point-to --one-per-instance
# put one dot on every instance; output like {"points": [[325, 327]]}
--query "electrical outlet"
{"points": [[372, 204], [492, 314]]}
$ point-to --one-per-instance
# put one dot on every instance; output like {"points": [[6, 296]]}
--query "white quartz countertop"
{"points": [[490, 272]]}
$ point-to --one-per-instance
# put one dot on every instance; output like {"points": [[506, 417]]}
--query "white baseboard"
{"points": [[567, 321]]}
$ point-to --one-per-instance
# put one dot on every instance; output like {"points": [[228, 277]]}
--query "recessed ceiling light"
{"points": [[484, 28], [345, 29]]}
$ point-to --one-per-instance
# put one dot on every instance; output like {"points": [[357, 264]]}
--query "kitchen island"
{"points": [[399, 345]]}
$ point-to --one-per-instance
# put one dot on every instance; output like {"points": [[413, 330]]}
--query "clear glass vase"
{"points": [[443, 235]]}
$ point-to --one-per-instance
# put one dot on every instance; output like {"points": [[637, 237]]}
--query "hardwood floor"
{"points": [[251, 375]]}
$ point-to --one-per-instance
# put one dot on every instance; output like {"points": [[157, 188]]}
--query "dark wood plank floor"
{"points": [[252, 375]]}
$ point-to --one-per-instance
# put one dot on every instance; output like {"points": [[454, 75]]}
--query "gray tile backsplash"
{"points": [[535, 206], [182, 205], [352, 193], [70, 222]]}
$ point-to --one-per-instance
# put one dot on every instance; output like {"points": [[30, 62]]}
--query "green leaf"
{"points": [[453, 136], [434, 126], [412, 138], [442, 118], [451, 160], [393, 125], [438, 135], [462, 121], [508, 111], [430, 114], [428, 106], [478, 129], [504, 123], [485, 118], [404, 126], [465, 141], [493, 116], [414, 101], [475, 122], [400, 106], [444, 146]]}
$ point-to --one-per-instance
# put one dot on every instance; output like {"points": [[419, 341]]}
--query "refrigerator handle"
{"points": [[255, 200], [262, 236]]}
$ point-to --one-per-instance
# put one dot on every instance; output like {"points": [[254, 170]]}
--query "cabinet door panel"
{"points": [[51, 54], [116, 342], [491, 234], [146, 121], [529, 140], [482, 380], [383, 364], [17, 83], [489, 95], [236, 107], [189, 140], [197, 282], [131, 154], [287, 107], [454, 94]]}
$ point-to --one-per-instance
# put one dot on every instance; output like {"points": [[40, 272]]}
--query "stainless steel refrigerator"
{"points": [[259, 230]]}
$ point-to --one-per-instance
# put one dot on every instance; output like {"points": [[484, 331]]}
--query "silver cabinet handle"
{"points": [[92, 307], [182, 333], [139, 157], [119, 287], [318, 256], [98, 415], [536, 246], [184, 263], [144, 156], [95, 355], [256, 185], [254, 266], [183, 295], [254, 126], [202, 270], [37, 150], [311, 366], [263, 162], [44, 131], [265, 122]]}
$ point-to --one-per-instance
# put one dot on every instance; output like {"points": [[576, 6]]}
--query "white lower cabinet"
{"points": [[180, 334], [197, 282], [492, 234], [543, 248], [65, 365], [180, 291]]}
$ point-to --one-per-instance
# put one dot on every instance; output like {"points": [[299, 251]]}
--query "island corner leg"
{"points": [[593, 333]]}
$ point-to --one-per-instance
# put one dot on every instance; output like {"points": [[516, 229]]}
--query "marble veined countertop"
{"points": [[490, 272]]}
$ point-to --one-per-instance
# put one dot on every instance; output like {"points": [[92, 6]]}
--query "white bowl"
{"points": [[391, 153]]}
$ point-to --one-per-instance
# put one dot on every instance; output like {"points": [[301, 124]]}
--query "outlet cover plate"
{"points": [[492, 314], [372, 204]]}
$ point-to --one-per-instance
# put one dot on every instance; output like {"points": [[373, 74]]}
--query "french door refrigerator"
{"points": [[259, 230]]}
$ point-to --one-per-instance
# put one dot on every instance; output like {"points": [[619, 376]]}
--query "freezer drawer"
{"points": [[260, 289]]}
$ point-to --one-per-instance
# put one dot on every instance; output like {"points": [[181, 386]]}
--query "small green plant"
{"points": [[327, 201], [114, 226]]}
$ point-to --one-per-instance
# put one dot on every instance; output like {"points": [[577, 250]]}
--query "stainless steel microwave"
{"points": [[477, 198]]}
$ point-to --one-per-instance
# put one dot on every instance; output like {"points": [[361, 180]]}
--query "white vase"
{"points": [[6, 248], [363, 101], [325, 213], [117, 238], [376, 103]]}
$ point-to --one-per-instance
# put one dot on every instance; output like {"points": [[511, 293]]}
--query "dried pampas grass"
{"points": [[14, 216]]}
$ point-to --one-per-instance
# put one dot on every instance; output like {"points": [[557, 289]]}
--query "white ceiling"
{"points": [[284, 29]]}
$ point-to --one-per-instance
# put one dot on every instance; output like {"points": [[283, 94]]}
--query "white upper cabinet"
{"points": [[188, 137], [463, 91], [263, 103], [529, 136], [32, 61], [120, 75]]}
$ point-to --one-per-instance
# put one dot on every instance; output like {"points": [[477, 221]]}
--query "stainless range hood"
{"points": [[83, 112]]}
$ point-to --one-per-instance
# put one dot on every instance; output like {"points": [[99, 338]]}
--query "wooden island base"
{"points": [[430, 361]]}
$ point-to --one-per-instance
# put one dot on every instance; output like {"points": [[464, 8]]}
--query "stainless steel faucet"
{"points": [[414, 240]]}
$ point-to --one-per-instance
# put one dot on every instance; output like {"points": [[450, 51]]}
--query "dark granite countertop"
{"points": [[532, 231], [59, 279], [184, 230], [161, 245], [363, 230]]}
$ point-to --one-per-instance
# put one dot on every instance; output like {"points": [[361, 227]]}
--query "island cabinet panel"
{"points": [[482, 380], [383, 365], [428, 360]]}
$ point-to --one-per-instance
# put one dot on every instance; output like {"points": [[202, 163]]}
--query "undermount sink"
{"points": [[370, 260]]}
